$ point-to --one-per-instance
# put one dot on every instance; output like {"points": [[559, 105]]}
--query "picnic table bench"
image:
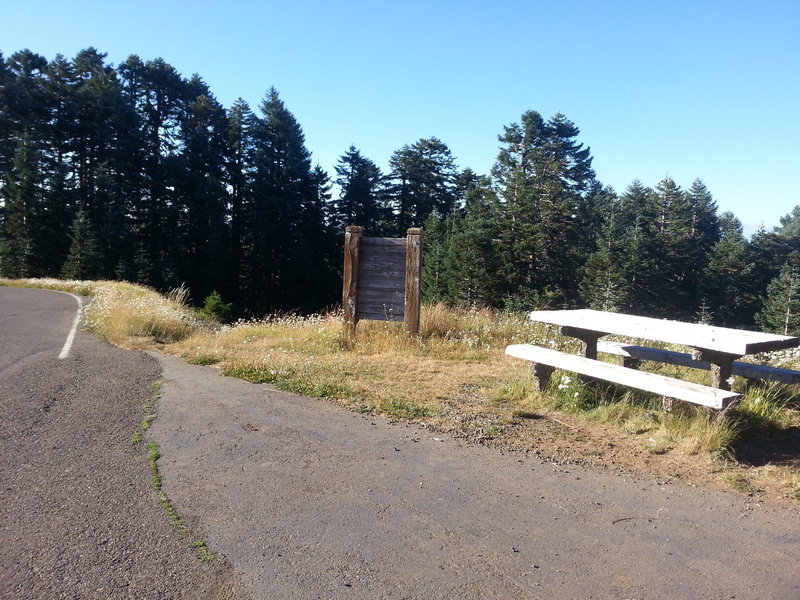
{"points": [[716, 348]]}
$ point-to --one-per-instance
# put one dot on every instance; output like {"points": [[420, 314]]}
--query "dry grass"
{"points": [[453, 375], [383, 370]]}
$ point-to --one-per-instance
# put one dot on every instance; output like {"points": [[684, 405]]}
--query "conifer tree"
{"points": [[726, 284], [434, 279], [781, 310], [471, 261], [280, 238], [156, 92], [769, 252], [202, 230], [360, 199], [541, 174], [83, 260], [21, 195], [238, 173], [422, 181]]}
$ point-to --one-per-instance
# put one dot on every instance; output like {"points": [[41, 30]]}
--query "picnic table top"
{"points": [[737, 342]]}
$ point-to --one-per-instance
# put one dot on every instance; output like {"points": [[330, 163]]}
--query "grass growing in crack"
{"points": [[202, 551], [153, 454], [149, 413]]}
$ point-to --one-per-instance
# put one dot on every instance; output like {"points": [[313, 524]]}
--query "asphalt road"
{"points": [[300, 499], [78, 516]]}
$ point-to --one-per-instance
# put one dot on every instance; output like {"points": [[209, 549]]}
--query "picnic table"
{"points": [[720, 346], [714, 348]]}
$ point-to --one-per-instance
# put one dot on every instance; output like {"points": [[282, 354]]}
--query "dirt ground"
{"points": [[762, 470]]}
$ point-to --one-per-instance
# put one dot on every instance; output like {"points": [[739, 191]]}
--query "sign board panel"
{"points": [[382, 279]]}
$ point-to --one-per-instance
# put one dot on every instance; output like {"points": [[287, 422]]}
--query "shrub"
{"points": [[214, 308]]}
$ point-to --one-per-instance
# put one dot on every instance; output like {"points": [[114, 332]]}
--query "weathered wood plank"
{"points": [[381, 295], [683, 359], [649, 382], [352, 243], [388, 243], [720, 339], [381, 271], [412, 279], [383, 284], [381, 312], [373, 264], [381, 255]]}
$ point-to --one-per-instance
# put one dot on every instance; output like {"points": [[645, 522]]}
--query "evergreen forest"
{"points": [[133, 172]]}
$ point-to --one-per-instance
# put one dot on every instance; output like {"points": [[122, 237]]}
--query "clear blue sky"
{"points": [[685, 88]]}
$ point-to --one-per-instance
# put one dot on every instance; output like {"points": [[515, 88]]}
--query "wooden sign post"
{"points": [[382, 278]]}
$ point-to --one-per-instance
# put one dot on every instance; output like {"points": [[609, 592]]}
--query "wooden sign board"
{"points": [[382, 278]]}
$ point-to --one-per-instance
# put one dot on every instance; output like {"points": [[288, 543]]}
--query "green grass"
{"points": [[296, 382], [149, 413], [740, 483], [402, 409], [153, 455]]}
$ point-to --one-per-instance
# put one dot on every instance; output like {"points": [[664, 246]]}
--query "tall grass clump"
{"points": [[134, 316], [74, 286], [764, 411]]}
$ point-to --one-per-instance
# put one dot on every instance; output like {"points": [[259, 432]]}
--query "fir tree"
{"points": [[360, 199], [781, 310], [83, 259], [422, 182], [471, 261], [202, 230], [726, 284], [21, 195], [541, 174]]}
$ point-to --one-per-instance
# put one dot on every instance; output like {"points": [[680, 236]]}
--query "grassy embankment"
{"points": [[454, 376]]}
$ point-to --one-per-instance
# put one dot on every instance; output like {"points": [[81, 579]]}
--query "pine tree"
{"points": [[790, 224], [422, 181], [280, 238], [202, 230], [238, 173], [542, 174], [726, 283], [438, 236], [360, 199], [21, 195], [156, 93], [781, 309], [83, 261], [471, 261], [768, 252]]}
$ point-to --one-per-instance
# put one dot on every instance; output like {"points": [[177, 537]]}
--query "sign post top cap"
{"points": [[353, 229]]}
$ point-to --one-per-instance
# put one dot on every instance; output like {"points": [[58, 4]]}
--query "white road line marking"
{"points": [[68, 344]]}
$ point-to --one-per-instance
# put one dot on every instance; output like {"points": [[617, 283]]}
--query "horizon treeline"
{"points": [[136, 173]]}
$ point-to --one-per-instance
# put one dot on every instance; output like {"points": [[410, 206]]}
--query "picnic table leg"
{"points": [[541, 376], [588, 340], [721, 366]]}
